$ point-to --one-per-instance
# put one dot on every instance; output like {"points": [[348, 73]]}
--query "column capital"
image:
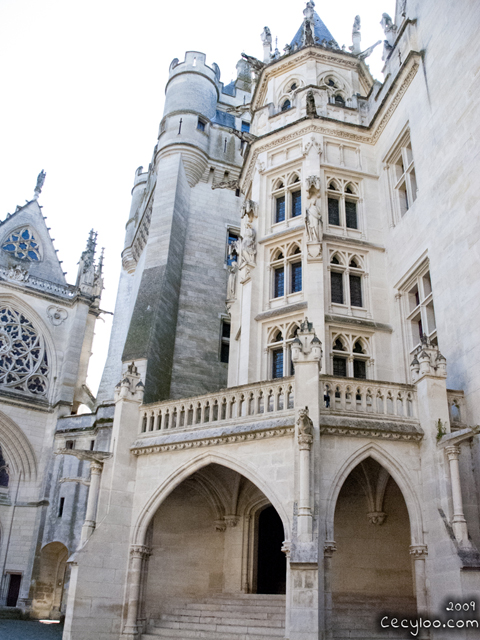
{"points": [[419, 550], [453, 452], [139, 551], [329, 548], [96, 467]]}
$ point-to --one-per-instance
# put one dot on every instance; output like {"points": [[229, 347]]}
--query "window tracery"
{"points": [[279, 342], [286, 266], [350, 355], [23, 358], [287, 197], [342, 201], [347, 276], [22, 244]]}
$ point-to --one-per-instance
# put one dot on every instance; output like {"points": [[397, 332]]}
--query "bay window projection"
{"points": [[342, 204]]}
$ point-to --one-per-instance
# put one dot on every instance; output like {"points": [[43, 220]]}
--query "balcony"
{"points": [[357, 407]]}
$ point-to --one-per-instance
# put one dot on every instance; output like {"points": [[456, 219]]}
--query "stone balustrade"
{"points": [[262, 399], [351, 395]]}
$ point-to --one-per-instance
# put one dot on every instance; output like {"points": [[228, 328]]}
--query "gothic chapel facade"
{"points": [[283, 442]]}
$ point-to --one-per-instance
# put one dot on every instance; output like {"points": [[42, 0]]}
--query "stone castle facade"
{"points": [[283, 442]]}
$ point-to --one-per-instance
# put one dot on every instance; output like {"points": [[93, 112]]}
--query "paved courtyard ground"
{"points": [[29, 630]]}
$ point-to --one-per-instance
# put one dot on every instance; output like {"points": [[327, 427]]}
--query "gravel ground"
{"points": [[29, 630]]}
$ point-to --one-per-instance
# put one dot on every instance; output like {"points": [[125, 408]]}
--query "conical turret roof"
{"points": [[320, 33]]}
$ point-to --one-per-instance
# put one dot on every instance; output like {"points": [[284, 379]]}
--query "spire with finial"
{"points": [[86, 267], [39, 185]]}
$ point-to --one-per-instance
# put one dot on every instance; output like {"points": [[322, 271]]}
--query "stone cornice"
{"points": [[211, 437], [330, 127], [335, 425]]}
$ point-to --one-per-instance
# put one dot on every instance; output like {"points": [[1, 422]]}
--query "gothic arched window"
{"points": [[23, 358], [22, 244], [4, 476]]}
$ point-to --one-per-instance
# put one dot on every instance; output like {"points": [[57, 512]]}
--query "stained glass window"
{"points": [[22, 244], [23, 358]]}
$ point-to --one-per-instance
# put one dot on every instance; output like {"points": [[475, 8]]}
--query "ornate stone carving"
{"points": [[250, 209], [368, 52], [248, 249], [232, 281], [371, 433], [306, 346], [329, 548], [453, 452], [305, 429], [17, 274], [140, 551], [266, 37], [312, 144], [56, 315], [376, 517], [428, 361], [226, 184], [313, 222], [356, 36], [40, 182], [389, 29], [145, 448], [131, 386], [286, 548], [419, 550], [311, 107]]}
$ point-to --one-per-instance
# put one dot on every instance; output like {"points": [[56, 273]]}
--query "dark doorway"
{"points": [[13, 589], [271, 561]]}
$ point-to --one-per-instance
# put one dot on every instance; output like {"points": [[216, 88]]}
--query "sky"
{"points": [[83, 92]]}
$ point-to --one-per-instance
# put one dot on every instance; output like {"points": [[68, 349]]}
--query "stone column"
{"points": [[137, 555], [305, 441], [329, 549], [419, 554], [459, 523], [91, 514]]}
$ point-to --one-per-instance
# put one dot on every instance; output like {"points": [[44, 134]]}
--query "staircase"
{"points": [[222, 617], [357, 617]]}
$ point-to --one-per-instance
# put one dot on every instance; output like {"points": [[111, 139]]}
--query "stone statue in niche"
{"points": [[305, 427], [311, 107], [313, 222], [248, 250], [232, 281]]}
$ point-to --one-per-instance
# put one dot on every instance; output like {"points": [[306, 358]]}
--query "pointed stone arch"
{"points": [[17, 450], [185, 471], [394, 468]]}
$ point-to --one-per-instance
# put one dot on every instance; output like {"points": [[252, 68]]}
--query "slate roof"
{"points": [[321, 32]]}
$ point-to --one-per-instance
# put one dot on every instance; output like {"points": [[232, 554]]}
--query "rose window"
{"points": [[23, 359], [22, 244]]}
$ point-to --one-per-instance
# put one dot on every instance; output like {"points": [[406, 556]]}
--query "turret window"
{"points": [[280, 209], [280, 339], [342, 200], [346, 276], [287, 197], [245, 126], [350, 355], [201, 124], [225, 342], [286, 105], [287, 271]]}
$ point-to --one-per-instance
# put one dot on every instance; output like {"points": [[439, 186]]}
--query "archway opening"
{"points": [[215, 536], [372, 567], [49, 597], [271, 561]]}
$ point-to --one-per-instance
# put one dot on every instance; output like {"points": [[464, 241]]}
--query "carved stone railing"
{"points": [[456, 409], [240, 404], [379, 399]]}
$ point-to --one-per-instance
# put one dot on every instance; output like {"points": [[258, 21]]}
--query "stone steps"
{"points": [[221, 617], [355, 617]]}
